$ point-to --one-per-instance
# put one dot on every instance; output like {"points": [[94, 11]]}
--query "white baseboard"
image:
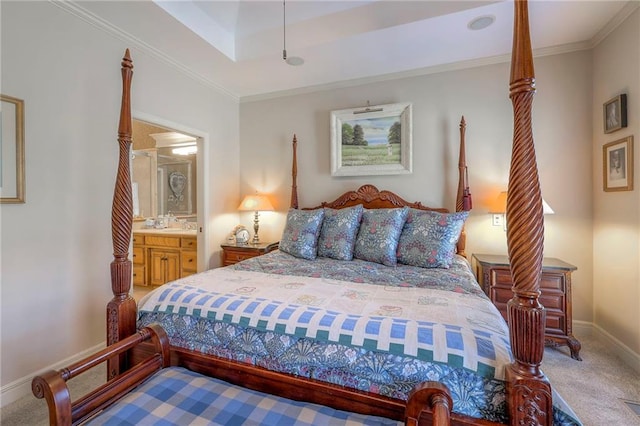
{"points": [[22, 387], [582, 328], [617, 347], [623, 351]]}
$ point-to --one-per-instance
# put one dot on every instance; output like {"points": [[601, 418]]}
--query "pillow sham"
{"points": [[338, 232], [428, 239], [300, 235], [378, 235]]}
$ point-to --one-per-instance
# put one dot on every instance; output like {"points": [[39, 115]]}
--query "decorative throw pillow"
{"points": [[338, 233], [429, 239], [378, 235], [300, 235]]}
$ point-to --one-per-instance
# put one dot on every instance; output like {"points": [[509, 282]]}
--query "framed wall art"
{"points": [[617, 165], [375, 140], [11, 150], [615, 113]]}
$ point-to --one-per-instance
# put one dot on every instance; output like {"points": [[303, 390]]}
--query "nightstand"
{"points": [[234, 253], [494, 276]]}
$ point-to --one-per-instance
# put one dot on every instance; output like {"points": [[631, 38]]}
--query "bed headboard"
{"points": [[372, 198]]}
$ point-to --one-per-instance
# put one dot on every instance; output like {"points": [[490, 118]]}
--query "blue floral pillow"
{"points": [[378, 235], [429, 239], [338, 233], [300, 235]]}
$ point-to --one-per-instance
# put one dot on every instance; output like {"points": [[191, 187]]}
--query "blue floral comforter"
{"points": [[353, 323]]}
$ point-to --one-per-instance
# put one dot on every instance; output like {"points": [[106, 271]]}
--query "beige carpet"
{"points": [[595, 388]]}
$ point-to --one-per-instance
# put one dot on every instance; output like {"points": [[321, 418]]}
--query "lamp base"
{"points": [[256, 225]]}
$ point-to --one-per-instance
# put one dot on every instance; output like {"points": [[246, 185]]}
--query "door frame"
{"points": [[202, 175]]}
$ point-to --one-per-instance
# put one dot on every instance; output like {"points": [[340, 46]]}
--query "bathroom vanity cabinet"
{"points": [[160, 256]]}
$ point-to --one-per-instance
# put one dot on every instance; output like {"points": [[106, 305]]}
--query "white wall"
{"points": [[616, 65], [56, 248], [562, 127]]}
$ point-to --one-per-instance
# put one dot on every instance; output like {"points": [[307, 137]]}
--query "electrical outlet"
{"points": [[497, 219]]}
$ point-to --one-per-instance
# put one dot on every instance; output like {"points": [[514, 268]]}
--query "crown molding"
{"points": [[454, 66], [78, 11], [73, 8], [620, 17]]}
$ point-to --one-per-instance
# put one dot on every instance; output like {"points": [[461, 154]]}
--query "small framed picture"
{"points": [[617, 165], [615, 113], [12, 163]]}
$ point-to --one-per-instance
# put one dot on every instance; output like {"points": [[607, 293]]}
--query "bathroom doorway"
{"points": [[167, 170]]}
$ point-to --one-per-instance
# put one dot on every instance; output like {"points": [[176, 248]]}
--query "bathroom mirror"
{"points": [[163, 170]]}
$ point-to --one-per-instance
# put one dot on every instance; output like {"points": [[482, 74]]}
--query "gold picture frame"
{"points": [[617, 165], [12, 184]]}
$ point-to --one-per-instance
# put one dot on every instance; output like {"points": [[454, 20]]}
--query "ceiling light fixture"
{"points": [[481, 22], [292, 60], [185, 150]]}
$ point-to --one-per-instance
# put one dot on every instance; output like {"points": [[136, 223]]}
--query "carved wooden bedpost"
{"points": [[294, 175], [528, 389], [121, 310], [463, 197]]}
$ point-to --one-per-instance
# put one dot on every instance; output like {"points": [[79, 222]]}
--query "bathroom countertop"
{"points": [[178, 232]]}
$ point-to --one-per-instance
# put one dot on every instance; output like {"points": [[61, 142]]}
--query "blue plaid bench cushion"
{"points": [[177, 396]]}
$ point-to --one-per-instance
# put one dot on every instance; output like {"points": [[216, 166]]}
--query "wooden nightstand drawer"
{"points": [[234, 256], [555, 324], [494, 276], [502, 278], [553, 281], [553, 302], [233, 253]]}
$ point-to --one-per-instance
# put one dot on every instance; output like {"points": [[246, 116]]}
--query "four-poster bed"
{"points": [[528, 396]]}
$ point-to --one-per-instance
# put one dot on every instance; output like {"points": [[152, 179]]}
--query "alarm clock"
{"points": [[242, 235]]}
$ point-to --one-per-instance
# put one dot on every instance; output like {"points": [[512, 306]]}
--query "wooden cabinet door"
{"points": [[164, 266], [172, 265]]}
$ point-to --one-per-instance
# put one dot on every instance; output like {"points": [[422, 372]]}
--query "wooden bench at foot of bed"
{"points": [[152, 390]]}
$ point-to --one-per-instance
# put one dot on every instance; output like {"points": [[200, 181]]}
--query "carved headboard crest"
{"points": [[371, 197]]}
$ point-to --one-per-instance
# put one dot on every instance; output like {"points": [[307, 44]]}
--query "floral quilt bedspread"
{"points": [[419, 322], [458, 278], [299, 317]]}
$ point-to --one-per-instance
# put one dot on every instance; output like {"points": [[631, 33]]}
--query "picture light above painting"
{"points": [[372, 140]]}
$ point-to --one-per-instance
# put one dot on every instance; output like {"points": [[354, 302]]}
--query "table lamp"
{"points": [[499, 208], [255, 203]]}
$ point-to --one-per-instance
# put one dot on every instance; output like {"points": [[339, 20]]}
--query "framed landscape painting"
{"points": [[375, 140]]}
